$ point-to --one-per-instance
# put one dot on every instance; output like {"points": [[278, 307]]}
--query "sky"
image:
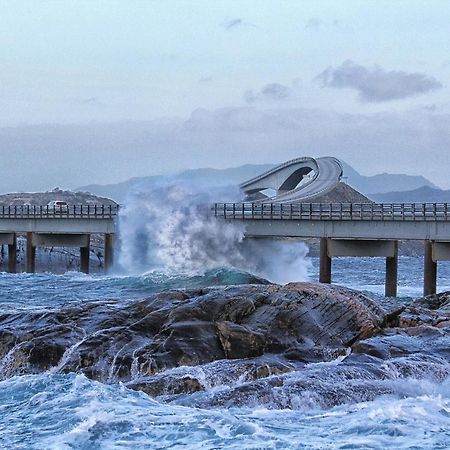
{"points": [[98, 91]]}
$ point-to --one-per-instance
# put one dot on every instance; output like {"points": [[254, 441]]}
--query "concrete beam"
{"points": [[7, 238], [440, 251], [365, 230], [60, 225], [346, 247], [60, 240]]}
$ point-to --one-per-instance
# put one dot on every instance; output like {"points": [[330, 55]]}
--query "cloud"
{"points": [[237, 22], [233, 23], [270, 92], [205, 80], [227, 137], [313, 23], [375, 84]]}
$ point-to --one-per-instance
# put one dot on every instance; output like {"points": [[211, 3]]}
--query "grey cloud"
{"points": [[375, 84], [233, 23], [205, 80], [91, 101], [271, 91], [238, 22], [383, 142], [312, 23]]}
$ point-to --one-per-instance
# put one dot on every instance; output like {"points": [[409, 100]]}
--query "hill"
{"points": [[43, 198], [424, 194], [384, 182], [381, 183]]}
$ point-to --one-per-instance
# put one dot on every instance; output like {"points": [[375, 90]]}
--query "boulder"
{"points": [[110, 341]]}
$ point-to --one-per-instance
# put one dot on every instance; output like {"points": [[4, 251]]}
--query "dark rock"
{"points": [[110, 342], [439, 301]]}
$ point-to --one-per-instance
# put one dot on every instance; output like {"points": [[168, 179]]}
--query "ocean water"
{"points": [[69, 411]]}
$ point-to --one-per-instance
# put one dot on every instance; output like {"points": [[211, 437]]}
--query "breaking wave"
{"points": [[169, 227]]}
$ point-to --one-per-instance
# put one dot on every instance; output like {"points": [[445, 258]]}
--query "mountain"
{"points": [[234, 175], [43, 198], [384, 182], [424, 194], [380, 184]]}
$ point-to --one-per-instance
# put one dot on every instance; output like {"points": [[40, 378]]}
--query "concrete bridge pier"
{"points": [[348, 247], [12, 255], [429, 270], [109, 251], [10, 240], [84, 258], [433, 252], [391, 283], [31, 254], [325, 262], [58, 240]]}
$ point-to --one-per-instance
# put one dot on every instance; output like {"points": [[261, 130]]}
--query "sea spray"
{"points": [[169, 227]]}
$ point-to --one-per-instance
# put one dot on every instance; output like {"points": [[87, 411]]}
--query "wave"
{"points": [[70, 411], [168, 227], [51, 291]]}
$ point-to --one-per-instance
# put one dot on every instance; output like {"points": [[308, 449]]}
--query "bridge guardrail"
{"points": [[70, 212], [334, 211]]}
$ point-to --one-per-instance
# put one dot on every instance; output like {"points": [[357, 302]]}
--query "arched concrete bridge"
{"points": [[344, 229], [296, 180]]}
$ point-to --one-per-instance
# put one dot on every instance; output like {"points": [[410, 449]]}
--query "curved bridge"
{"points": [[296, 180]]}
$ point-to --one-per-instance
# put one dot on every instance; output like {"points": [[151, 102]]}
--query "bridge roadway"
{"points": [[52, 227], [296, 180], [352, 229]]}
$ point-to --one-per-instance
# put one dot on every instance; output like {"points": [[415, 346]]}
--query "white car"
{"points": [[58, 206]]}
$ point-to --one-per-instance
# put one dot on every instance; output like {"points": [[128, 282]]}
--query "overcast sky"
{"points": [[101, 91]]}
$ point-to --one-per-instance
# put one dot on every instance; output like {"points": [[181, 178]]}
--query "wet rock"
{"points": [[421, 341], [186, 380], [121, 342], [439, 301], [314, 386]]}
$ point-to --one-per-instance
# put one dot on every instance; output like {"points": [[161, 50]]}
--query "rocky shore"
{"points": [[237, 345]]}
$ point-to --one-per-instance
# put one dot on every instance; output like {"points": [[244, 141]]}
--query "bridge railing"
{"points": [[58, 212], [334, 211]]}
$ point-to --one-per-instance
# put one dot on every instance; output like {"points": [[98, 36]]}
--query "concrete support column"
{"points": [[390, 288], [325, 262], [84, 258], [429, 270], [12, 255], [109, 251], [31, 254]]}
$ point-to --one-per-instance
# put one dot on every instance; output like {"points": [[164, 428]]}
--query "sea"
{"points": [[164, 246], [69, 411]]}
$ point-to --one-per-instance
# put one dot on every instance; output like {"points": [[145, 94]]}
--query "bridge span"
{"points": [[352, 229], [46, 226]]}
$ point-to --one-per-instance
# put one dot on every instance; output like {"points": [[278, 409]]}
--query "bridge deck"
{"points": [[334, 211], [46, 212], [70, 220], [421, 221]]}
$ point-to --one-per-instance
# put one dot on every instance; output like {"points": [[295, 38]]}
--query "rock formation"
{"points": [[251, 343]]}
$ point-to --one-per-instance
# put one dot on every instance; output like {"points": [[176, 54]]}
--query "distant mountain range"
{"points": [[423, 194], [384, 182], [392, 186]]}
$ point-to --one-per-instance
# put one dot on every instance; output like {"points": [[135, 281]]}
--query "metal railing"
{"points": [[57, 212], [334, 211]]}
